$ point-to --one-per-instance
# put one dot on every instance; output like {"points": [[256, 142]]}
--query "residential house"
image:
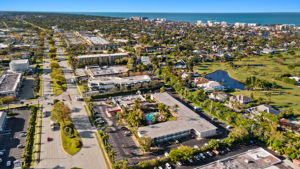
{"points": [[219, 96], [241, 99], [211, 86], [290, 125], [263, 108]]}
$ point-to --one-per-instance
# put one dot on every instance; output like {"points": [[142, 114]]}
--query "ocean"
{"points": [[260, 18]]}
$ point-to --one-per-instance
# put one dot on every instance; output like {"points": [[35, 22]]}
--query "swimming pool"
{"points": [[150, 117]]}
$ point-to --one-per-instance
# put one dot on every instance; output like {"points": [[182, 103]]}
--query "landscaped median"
{"points": [[71, 141], [29, 146]]}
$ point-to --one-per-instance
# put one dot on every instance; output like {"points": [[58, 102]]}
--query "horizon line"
{"points": [[138, 12]]}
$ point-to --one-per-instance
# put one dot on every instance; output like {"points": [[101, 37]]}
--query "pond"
{"points": [[223, 77]]}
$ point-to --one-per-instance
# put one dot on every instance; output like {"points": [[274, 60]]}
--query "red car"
{"points": [[216, 152], [49, 139], [124, 128]]}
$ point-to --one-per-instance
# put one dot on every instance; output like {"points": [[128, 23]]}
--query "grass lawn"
{"points": [[70, 143], [286, 97]]}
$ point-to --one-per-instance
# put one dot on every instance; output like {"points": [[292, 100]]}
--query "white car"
{"points": [[1, 160], [1, 153], [8, 163], [178, 163], [168, 166], [166, 154]]}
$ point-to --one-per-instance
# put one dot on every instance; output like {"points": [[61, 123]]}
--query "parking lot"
{"points": [[123, 145], [26, 90], [11, 137]]}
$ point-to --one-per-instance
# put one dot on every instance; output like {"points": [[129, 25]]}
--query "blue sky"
{"points": [[151, 5]]}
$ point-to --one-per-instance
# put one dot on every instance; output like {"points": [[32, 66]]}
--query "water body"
{"points": [[223, 77], [260, 18]]}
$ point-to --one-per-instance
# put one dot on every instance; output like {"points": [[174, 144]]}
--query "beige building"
{"points": [[100, 58]]}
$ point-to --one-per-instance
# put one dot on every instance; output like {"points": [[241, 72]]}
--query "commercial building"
{"points": [[105, 83], [96, 71], [251, 159], [100, 58], [2, 120], [95, 43], [10, 84], [19, 65], [188, 122]]}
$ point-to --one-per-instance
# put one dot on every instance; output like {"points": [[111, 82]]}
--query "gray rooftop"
{"points": [[19, 61], [187, 119], [251, 159], [102, 55], [9, 82]]}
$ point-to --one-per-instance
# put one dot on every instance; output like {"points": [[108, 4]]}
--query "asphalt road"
{"points": [[52, 155]]}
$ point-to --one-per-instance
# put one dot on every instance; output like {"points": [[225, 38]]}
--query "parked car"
{"points": [[23, 134], [202, 155], [222, 152], [20, 146], [209, 153], [227, 149], [17, 163], [166, 154], [196, 157], [1, 160], [216, 152], [178, 163], [190, 160], [168, 166], [124, 128], [8, 163], [127, 133], [1, 153]]}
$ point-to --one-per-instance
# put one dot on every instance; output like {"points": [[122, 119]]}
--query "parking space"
{"points": [[210, 156], [26, 90], [122, 143], [13, 137]]}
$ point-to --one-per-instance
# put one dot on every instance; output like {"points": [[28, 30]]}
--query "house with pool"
{"points": [[187, 122]]}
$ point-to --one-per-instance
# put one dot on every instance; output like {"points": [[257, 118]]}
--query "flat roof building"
{"points": [[187, 122], [10, 84], [2, 120], [19, 65], [100, 58], [104, 83], [263, 108], [105, 71], [251, 159]]}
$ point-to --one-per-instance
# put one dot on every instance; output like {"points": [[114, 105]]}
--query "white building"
{"points": [[104, 83], [211, 85], [10, 84], [19, 65], [296, 78], [263, 108], [2, 120]]}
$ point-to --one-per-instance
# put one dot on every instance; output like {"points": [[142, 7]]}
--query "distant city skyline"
{"points": [[169, 6]]}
